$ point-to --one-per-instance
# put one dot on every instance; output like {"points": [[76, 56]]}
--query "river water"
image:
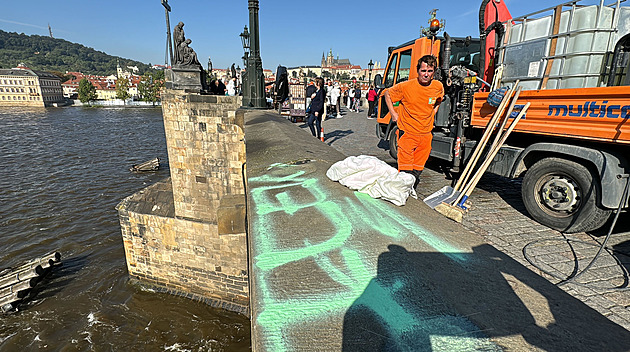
{"points": [[62, 172]]}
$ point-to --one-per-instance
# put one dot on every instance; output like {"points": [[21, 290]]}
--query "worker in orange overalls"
{"points": [[419, 101]]}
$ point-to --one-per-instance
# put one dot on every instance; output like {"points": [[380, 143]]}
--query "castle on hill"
{"points": [[330, 61]]}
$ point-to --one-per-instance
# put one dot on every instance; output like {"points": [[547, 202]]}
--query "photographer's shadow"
{"points": [[429, 302]]}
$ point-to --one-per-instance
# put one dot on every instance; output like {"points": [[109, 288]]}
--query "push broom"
{"points": [[456, 210], [448, 194]]}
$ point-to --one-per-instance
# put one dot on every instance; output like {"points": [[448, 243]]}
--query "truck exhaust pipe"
{"points": [[446, 54]]}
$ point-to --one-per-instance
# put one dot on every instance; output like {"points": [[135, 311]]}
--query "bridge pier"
{"points": [[186, 235]]}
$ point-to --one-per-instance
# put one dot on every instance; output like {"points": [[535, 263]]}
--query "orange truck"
{"points": [[572, 147]]}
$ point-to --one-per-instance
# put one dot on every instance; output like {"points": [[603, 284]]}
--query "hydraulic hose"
{"points": [[572, 278]]}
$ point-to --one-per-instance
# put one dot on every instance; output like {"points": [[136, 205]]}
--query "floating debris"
{"points": [[151, 165]]}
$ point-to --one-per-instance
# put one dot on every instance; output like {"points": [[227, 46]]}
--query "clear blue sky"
{"points": [[292, 32]]}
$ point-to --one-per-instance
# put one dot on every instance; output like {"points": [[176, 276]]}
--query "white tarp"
{"points": [[368, 174]]}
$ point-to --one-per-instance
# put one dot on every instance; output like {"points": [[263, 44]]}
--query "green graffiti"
{"points": [[348, 217]]}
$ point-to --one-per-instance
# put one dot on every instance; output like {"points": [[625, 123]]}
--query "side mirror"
{"points": [[378, 81]]}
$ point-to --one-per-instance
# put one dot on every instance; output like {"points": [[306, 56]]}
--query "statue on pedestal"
{"points": [[184, 55], [186, 72]]}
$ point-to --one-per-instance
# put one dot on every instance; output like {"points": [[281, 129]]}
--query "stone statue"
{"points": [[233, 71], [187, 54], [178, 39], [184, 55], [209, 66]]}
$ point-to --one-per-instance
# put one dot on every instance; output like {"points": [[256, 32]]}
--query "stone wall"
{"points": [[186, 235]]}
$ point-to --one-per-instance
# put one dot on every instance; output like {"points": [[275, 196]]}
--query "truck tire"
{"points": [[562, 194], [393, 143]]}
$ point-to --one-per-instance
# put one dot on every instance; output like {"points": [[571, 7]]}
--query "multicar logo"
{"points": [[591, 109]]}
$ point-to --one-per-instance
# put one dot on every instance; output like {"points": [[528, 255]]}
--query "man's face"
{"points": [[425, 73]]}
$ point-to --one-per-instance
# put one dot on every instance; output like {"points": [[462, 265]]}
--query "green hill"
{"points": [[50, 54]]}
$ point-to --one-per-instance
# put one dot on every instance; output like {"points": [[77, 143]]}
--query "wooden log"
{"points": [[16, 277], [19, 288], [44, 261], [6, 303]]}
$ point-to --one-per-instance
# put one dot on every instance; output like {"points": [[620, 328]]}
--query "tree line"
{"points": [[57, 55]]}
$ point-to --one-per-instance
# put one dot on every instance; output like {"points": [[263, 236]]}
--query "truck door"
{"points": [[395, 74], [388, 81]]}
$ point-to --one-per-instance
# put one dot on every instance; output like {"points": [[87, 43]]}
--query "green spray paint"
{"points": [[348, 217]]}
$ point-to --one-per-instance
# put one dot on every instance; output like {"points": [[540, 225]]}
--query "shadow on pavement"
{"points": [[429, 301], [331, 137], [383, 144]]}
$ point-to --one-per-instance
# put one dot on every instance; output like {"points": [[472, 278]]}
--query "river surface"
{"points": [[62, 172]]}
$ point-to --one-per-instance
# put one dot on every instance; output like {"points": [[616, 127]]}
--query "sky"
{"points": [[292, 33]]}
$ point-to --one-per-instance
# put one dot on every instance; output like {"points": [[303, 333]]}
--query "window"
{"points": [[391, 70], [404, 67]]}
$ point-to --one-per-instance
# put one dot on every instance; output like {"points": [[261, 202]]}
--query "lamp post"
{"points": [[370, 67], [254, 93]]}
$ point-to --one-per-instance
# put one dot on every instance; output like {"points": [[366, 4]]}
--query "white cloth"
{"points": [[368, 174]]}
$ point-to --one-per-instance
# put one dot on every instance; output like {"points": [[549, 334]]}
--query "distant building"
{"points": [[304, 71], [330, 61], [105, 85], [22, 86]]}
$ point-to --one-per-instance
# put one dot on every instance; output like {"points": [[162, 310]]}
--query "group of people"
{"points": [[418, 99], [217, 87]]}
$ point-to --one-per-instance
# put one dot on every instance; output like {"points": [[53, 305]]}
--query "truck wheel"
{"points": [[561, 194], [393, 143]]}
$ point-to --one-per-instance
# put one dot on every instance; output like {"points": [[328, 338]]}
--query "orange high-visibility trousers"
{"points": [[413, 150]]}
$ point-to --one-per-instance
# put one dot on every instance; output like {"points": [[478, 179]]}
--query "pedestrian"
{"points": [[219, 87], [328, 88], [419, 101], [231, 87], [371, 98], [310, 89], [357, 98], [350, 97], [337, 93], [318, 99]]}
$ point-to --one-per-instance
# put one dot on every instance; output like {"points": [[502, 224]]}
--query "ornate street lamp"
{"points": [[370, 67], [245, 40], [244, 85]]}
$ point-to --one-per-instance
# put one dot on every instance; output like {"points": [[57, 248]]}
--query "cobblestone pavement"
{"points": [[499, 216]]}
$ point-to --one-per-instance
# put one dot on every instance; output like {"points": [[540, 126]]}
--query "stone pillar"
{"points": [[187, 235], [206, 152]]}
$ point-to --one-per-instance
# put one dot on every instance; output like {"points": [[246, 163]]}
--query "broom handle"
{"points": [[484, 139], [473, 183], [505, 120]]}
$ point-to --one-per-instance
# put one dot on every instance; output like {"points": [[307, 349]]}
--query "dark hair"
{"points": [[430, 60], [319, 82]]}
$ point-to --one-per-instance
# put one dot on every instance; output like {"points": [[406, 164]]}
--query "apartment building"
{"points": [[22, 86]]}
